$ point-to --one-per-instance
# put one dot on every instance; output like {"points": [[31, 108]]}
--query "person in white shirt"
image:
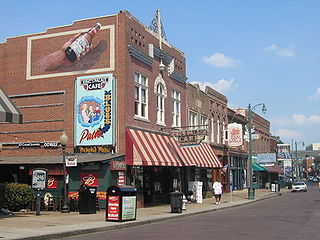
{"points": [[217, 188]]}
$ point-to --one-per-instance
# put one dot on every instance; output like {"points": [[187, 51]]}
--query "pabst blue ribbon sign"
{"points": [[95, 110]]}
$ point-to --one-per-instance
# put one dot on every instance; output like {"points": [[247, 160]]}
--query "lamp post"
{"points": [[64, 141], [250, 110], [297, 164]]}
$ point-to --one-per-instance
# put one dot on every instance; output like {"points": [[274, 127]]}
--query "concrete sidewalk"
{"points": [[53, 224]]}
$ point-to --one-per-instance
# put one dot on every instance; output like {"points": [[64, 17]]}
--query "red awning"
{"points": [[274, 169], [149, 149], [201, 155]]}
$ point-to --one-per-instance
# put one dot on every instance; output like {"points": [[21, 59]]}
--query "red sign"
{"points": [[113, 208], [101, 195], [90, 179], [118, 165], [121, 178], [52, 182]]}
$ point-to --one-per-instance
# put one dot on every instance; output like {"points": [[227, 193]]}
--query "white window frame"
{"points": [[176, 114], [193, 118], [160, 104], [140, 106], [204, 121]]}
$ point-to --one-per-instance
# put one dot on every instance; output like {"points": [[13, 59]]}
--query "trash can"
{"points": [[121, 203], [87, 199], [176, 202], [251, 193]]}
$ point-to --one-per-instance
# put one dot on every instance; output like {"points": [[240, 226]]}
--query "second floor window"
{"points": [[140, 96], [193, 118], [176, 122], [160, 103]]}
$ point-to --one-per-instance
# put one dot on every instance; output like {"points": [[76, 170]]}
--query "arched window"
{"points": [[160, 103]]}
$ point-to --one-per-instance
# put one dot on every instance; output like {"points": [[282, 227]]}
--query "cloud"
{"points": [[271, 48], [316, 95], [285, 52], [296, 119], [220, 60], [221, 85], [287, 134]]}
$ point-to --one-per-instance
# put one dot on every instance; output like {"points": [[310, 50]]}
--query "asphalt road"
{"points": [[290, 216]]}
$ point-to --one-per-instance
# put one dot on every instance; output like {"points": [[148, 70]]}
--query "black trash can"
{"points": [[121, 203], [87, 199], [176, 200]]}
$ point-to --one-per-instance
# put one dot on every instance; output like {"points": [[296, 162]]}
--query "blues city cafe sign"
{"points": [[95, 110]]}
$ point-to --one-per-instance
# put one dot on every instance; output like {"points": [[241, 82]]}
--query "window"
{"points": [[218, 131], [140, 96], [176, 109], [192, 118], [203, 122], [160, 103]]}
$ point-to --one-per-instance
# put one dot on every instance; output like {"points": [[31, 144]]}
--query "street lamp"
{"points": [[297, 170], [64, 141], [250, 110]]}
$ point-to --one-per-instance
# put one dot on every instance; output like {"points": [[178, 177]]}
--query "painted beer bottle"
{"points": [[78, 46]]}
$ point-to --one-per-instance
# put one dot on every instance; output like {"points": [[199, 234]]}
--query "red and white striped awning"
{"points": [[149, 149], [201, 155]]}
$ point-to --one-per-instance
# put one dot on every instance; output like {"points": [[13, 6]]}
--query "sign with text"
{"points": [[39, 179], [129, 207], [71, 161], [121, 178], [113, 208], [52, 182], [189, 137], [118, 165], [95, 110], [90, 179], [235, 138]]}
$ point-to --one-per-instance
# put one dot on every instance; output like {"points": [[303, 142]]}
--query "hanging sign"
{"points": [[235, 138], [71, 161], [189, 137]]}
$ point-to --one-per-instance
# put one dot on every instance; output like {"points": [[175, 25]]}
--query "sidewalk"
{"points": [[53, 224]]}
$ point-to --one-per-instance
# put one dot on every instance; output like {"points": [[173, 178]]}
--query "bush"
{"points": [[16, 196]]}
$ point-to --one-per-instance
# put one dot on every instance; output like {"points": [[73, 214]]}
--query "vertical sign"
{"points": [[121, 178], [129, 207], [113, 208], [235, 135], [39, 179], [95, 110]]}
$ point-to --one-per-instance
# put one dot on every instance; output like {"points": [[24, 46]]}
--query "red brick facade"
{"points": [[46, 98]]}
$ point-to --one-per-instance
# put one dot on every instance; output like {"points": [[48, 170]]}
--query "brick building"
{"points": [[117, 104]]}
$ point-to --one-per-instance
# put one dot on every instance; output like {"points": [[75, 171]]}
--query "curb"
{"points": [[143, 222]]}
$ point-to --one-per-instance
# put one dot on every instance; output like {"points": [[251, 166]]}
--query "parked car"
{"points": [[299, 186]]}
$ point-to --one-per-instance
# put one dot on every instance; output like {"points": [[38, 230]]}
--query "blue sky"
{"points": [[251, 51]]}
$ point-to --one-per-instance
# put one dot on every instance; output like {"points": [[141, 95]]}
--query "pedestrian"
{"points": [[217, 188]]}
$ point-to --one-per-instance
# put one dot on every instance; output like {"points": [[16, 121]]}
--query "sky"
{"points": [[253, 52]]}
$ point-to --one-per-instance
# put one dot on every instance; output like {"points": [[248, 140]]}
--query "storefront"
{"points": [[158, 165], [94, 169], [238, 169]]}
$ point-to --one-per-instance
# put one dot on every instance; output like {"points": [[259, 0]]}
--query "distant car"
{"points": [[314, 179], [299, 186]]}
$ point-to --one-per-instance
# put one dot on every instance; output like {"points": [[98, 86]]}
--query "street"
{"points": [[289, 216]]}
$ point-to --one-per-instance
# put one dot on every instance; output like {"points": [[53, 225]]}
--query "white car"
{"points": [[299, 186]]}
